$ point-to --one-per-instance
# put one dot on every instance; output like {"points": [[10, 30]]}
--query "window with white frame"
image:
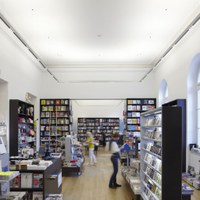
{"points": [[198, 108], [163, 92]]}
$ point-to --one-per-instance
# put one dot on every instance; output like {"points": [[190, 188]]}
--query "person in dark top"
{"points": [[114, 159]]}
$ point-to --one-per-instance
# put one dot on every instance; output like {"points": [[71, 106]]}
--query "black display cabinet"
{"points": [[21, 127]]}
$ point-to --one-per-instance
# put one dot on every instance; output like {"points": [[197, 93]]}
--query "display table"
{"points": [[67, 170], [14, 196], [40, 182]]}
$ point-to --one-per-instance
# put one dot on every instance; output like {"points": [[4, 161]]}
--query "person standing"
{"points": [[114, 159], [90, 142]]}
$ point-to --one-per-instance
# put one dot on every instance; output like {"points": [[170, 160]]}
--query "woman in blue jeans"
{"points": [[114, 159]]}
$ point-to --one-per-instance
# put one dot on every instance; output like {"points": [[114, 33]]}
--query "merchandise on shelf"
{"points": [[161, 165], [101, 128], [22, 134], [55, 124]]}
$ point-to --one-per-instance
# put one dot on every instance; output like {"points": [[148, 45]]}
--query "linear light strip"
{"points": [[17, 35], [185, 31]]}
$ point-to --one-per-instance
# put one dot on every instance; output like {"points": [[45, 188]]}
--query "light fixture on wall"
{"points": [[17, 35], [185, 31]]}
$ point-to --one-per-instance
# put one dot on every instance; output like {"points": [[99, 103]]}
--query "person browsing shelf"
{"points": [[90, 142], [114, 159]]}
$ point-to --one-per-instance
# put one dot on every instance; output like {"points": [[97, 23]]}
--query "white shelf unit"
{"points": [[161, 154]]}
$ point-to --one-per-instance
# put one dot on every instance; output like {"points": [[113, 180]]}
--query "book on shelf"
{"points": [[37, 196], [26, 180], [15, 183], [37, 180]]}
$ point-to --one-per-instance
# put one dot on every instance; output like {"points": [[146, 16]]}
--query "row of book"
{"points": [[140, 108], [54, 128], [153, 161], [138, 101], [154, 147], [133, 114], [54, 102], [133, 128], [25, 120], [151, 190], [133, 121], [100, 125], [155, 134], [54, 114], [155, 176], [27, 180], [54, 108], [54, 121], [97, 120], [153, 121]]}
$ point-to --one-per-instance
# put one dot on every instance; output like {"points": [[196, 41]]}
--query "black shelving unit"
{"points": [[161, 143], [133, 109], [50, 181], [101, 128], [55, 123], [182, 104], [21, 127]]}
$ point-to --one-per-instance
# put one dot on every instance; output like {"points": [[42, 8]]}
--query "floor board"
{"points": [[93, 183]]}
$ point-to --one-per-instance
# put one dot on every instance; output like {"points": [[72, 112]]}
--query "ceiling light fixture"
{"points": [[185, 31]]}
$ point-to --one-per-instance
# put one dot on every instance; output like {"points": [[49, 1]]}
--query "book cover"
{"points": [[37, 180], [15, 183], [37, 196], [26, 180]]}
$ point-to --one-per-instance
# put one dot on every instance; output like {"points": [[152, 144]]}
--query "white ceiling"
{"points": [[99, 40]]}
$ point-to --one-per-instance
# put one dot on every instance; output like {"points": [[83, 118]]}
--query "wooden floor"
{"points": [[196, 195], [93, 183]]}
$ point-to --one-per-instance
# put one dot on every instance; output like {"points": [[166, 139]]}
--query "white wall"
{"points": [[174, 69], [96, 111], [18, 70], [98, 90]]}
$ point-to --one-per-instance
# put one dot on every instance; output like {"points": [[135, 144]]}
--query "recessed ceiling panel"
{"points": [[99, 31]]}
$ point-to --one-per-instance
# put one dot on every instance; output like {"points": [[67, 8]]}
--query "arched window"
{"points": [[193, 102], [198, 105], [163, 92]]}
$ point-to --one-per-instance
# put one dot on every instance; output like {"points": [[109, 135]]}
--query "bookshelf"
{"points": [[161, 173], [101, 128], [21, 127], [134, 108], [55, 123]]}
